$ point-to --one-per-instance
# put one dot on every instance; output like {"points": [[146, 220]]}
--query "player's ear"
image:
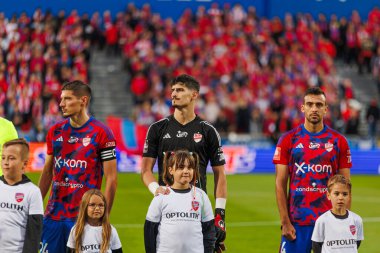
{"points": [[171, 170], [302, 108], [328, 195]]}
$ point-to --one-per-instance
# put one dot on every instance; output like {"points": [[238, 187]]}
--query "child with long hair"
{"points": [[92, 231], [181, 221], [338, 230]]}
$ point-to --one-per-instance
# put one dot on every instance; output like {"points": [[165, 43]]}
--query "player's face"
{"points": [[314, 108], [12, 163], [70, 104], [95, 208], [182, 176], [182, 96], [339, 197]]}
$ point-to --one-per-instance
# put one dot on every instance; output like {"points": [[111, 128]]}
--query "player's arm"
{"points": [[46, 176], [148, 178], [220, 192], [281, 195], [110, 173], [346, 173]]}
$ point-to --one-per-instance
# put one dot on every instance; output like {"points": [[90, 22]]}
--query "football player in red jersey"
{"points": [[306, 157]]}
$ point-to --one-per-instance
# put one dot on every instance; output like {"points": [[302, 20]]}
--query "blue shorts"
{"points": [[55, 235], [302, 243]]}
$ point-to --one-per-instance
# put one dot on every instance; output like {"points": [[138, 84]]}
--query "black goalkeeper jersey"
{"points": [[196, 136]]}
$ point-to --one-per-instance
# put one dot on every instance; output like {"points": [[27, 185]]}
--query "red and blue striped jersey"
{"points": [[312, 158], [78, 154]]}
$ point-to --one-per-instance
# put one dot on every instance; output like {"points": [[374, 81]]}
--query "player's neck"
{"points": [[184, 115], [94, 222], [179, 186], [313, 128], [79, 120], [13, 180], [339, 211]]}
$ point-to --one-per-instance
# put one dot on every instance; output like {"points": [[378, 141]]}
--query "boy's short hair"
{"points": [[79, 88], [188, 81], [338, 179], [20, 141]]}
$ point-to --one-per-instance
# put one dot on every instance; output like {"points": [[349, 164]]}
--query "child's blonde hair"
{"points": [[176, 159], [83, 217], [338, 179]]}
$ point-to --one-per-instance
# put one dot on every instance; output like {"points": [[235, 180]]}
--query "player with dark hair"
{"points": [[307, 157], [21, 207], [185, 130], [338, 230], [80, 150], [181, 221]]}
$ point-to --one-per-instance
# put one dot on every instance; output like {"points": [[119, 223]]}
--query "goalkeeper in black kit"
{"points": [[185, 130]]}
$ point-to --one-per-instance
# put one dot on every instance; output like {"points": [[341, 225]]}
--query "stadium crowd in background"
{"points": [[254, 69]]}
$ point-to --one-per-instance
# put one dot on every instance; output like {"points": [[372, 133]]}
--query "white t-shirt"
{"points": [[92, 239], [17, 202], [338, 235], [180, 217]]}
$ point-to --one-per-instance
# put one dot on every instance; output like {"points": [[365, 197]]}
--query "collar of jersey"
{"points": [[341, 217], [314, 134], [181, 190], [24, 180], [85, 124], [188, 123]]}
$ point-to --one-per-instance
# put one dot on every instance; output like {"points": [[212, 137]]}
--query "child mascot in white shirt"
{"points": [[92, 231], [181, 221], [338, 230]]}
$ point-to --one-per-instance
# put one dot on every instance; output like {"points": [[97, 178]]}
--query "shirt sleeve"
{"points": [[214, 146], [359, 225], [319, 231], [282, 150], [107, 144], [115, 240], [344, 154], [207, 213], [49, 142], [33, 233], [151, 142], [71, 240], [35, 202], [155, 209]]}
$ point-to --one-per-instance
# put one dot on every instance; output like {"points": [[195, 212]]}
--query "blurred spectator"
{"points": [[373, 116]]}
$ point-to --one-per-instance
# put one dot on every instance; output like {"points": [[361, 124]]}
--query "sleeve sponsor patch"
{"points": [[277, 154]]}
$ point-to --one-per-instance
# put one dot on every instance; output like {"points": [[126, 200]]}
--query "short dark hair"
{"points": [[187, 80], [177, 159], [20, 141], [314, 91], [79, 88], [339, 179]]}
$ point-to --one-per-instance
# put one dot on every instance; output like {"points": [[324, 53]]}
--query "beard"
{"points": [[314, 119]]}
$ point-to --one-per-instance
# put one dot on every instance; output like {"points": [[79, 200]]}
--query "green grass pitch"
{"points": [[251, 218]]}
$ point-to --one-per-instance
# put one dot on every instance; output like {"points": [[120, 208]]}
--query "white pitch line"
{"points": [[246, 223]]}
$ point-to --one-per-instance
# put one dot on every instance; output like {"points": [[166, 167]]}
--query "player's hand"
{"points": [[289, 231], [220, 226], [220, 247], [162, 190]]}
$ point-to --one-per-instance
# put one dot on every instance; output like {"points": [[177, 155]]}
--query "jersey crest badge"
{"points": [[353, 229], [19, 197], [195, 205], [197, 137], [329, 146], [86, 141]]}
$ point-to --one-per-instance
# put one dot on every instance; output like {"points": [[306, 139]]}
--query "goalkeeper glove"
{"points": [[220, 227]]}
